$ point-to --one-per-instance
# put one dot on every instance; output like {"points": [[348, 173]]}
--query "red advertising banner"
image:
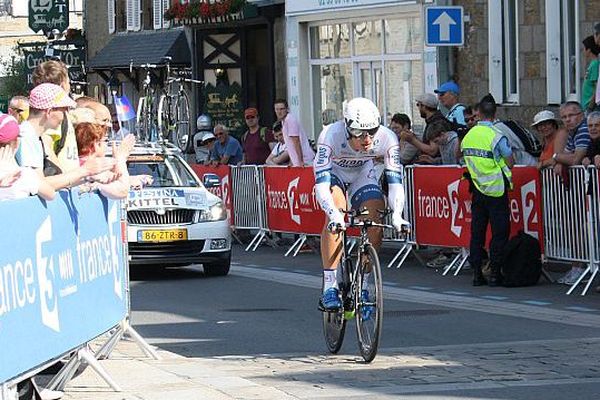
{"points": [[291, 202], [224, 191], [443, 205]]}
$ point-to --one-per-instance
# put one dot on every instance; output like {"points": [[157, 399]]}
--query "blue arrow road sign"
{"points": [[444, 26]]}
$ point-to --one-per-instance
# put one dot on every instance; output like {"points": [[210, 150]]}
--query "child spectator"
{"points": [[17, 182], [279, 154], [447, 140]]}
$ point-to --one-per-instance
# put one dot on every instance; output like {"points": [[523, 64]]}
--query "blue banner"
{"points": [[62, 277]]}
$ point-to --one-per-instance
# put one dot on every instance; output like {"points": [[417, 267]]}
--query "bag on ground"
{"points": [[522, 261]]}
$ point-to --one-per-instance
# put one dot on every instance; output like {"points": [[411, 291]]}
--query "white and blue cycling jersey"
{"points": [[337, 164]]}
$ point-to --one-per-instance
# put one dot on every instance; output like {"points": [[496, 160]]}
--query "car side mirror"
{"points": [[211, 181]]}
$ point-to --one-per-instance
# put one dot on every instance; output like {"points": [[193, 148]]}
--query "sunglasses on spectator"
{"points": [[362, 133], [19, 110], [219, 134]]}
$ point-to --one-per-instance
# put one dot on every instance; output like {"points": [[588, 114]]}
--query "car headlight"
{"points": [[217, 212]]}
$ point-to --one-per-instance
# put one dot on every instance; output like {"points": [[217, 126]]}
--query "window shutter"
{"points": [[130, 21], [157, 13], [137, 15], [164, 9], [553, 52], [111, 16], [495, 57]]}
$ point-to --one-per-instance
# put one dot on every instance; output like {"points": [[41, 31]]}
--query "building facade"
{"points": [[526, 53]]}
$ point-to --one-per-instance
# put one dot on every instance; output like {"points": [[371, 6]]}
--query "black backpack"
{"points": [[530, 141], [522, 261]]}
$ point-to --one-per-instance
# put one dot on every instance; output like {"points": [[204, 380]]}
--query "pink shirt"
{"points": [[291, 127]]}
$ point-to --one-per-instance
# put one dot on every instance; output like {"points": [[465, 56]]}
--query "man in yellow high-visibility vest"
{"points": [[488, 157]]}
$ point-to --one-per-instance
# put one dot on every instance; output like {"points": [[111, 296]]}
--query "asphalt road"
{"points": [[442, 338]]}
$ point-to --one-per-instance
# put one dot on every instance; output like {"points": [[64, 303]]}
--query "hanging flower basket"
{"points": [[205, 11]]}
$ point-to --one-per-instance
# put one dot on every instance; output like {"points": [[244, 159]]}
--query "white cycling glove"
{"points": [[400, 223], [336, 219]]}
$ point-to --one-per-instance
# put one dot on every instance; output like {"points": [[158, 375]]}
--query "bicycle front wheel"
{"points": [[334, 322], [369, 303], [182, 131]]}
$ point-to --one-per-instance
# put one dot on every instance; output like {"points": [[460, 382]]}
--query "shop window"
{"points": [[367, 38], [332, 86], [403, 36], [503, 50], [562, 51], [330, 41], [403, 82]]}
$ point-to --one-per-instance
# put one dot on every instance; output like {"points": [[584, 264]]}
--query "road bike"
{"points": [[174, 110], [146, 114], [361, 290]]}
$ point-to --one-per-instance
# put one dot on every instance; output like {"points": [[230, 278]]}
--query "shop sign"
{"points": [[46, 15], [308, 6], [224, 105], [73, 58]]}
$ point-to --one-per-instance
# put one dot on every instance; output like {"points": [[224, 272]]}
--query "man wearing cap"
{"points": [[257, 140], [427, 104], [448, 96]]}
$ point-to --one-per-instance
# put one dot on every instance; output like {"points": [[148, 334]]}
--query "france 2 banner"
{"points": [[291, 201], [224, 189], [443, 205]]}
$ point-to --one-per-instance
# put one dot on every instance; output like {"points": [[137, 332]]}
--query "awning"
{"points": [[143, 48]]}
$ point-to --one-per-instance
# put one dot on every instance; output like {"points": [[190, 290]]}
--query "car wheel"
{"points": [[218, 268]]}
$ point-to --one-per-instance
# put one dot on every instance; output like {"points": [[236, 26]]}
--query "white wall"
{"points": [[20, 7]]}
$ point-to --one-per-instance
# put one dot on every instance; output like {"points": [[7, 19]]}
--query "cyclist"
{"points": [[344, 164]]}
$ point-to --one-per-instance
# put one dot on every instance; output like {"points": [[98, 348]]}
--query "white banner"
{"points": [[309, 6]]}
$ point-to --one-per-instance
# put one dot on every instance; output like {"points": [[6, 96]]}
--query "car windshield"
{"points": [[168, 173]]}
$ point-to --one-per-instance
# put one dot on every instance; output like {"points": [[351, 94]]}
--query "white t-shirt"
{"points": [[278, 149], [291, 127], [31, 151], [27, 185]]}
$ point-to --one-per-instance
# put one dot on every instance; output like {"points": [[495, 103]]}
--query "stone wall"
{"points": [[471, 61]]}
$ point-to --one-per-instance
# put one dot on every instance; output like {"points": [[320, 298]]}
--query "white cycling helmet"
{"points": [[361, 113], [204, 123]]}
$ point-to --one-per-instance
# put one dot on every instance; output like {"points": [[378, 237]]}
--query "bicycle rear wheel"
{"points": [[334, 322], [182, 130], [369, 305], [164, 116]]}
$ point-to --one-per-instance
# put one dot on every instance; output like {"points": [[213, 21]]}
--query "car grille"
{"points": [[150, 217], [184, 248]]}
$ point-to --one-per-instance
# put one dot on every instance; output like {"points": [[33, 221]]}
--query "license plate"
{"points": [[167, 235]]}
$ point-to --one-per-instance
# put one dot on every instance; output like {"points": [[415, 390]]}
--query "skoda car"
{"points": [[175, 220]]}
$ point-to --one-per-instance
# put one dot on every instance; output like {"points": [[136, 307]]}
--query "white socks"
{"points": [[329, 279]]}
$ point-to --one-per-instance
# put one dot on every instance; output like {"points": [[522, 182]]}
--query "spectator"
{"points": [[279, 154], [119, 130], [546, 125], [91, 144], [447, 140], [488, 157], [18, 107], [294, 136], [208, 141], [448, 96], [63, 142], [257, 140], [572, 144], [593, 154], [399, 124], [48, 106], [471, 116], [590, 52], [227, 149], [17, 182], [427, 105], [597, 40]]}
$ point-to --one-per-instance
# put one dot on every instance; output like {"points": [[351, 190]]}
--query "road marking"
{"points": [[536, 302], [567, 317], [456, 292], [580, 308], [420, 287], [490, 297]]}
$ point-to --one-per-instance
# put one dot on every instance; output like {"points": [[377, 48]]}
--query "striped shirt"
{"points": [[580, 139]]}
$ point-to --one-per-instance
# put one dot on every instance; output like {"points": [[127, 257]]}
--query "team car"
{"points": [[175, 220]]}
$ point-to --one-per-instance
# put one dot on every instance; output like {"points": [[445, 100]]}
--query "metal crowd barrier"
{"points": [[391, 235], [249, 199], [570, 219]]}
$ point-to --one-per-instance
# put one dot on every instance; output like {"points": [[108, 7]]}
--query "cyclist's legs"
{"points": [[331, 244]]}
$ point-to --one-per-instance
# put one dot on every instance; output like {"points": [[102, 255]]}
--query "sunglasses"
{"points": [[362, 133], [17, 110]]}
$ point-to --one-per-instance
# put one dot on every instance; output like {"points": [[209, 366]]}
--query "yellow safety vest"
{"points": [[486, 172]]}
